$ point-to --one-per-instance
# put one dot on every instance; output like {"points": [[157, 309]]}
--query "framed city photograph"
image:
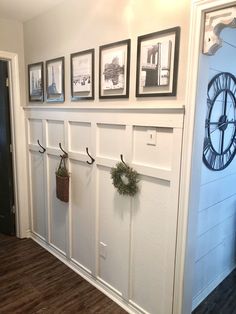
{"points": [[157, 63], [35, 82], [114, 70], [55, 84], [82, 75]]}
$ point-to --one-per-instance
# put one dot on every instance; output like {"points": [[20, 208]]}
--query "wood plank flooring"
{"points": [[34, 281], [222, 300]]}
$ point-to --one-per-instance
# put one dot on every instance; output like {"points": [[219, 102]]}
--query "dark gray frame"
{"points": [[107, 47], [176, 31], [77, 96], [39, 98], [56, 97]]}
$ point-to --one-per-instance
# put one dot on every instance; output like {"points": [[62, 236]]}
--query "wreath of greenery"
{"points": [[125, 179]]}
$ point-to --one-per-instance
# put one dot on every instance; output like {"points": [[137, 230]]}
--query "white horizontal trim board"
{"points": [[80, 271], [131, 117], [171, 107]]}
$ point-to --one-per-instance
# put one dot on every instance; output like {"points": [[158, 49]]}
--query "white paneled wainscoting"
{"points": [[125, 246]]}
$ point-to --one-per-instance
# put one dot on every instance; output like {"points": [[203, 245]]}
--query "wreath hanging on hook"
{"points": [[125, 179]]}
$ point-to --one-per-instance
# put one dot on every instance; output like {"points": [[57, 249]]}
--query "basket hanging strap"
{"points": [[62, 162]]}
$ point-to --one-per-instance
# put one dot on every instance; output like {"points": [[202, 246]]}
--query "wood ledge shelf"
{"points": [[168, 108]]}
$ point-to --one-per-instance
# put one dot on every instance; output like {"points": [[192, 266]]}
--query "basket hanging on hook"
{"points": [[62, 180]]}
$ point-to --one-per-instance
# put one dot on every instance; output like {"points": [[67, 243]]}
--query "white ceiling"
{"points": [[23, 10]]}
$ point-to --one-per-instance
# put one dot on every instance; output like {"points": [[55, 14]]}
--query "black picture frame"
{"points": [[36, 82], [82, 75], [115, 55], [157, 63], [55, 81]]}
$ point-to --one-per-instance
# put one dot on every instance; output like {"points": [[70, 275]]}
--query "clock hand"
{"points": [[218, 126]]}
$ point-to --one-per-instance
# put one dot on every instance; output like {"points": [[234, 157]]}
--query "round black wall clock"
{"points": [[220, 128]]}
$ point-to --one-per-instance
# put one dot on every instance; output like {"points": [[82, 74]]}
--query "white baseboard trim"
{"points": [[205, 292], [92, 280]]}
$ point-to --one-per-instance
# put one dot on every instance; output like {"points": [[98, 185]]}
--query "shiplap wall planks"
{"points": [[126, 244], [216, 243]]}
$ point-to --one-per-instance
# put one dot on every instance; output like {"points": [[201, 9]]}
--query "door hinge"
{"points": [[11, 148], [13, 209], [7, 82]]}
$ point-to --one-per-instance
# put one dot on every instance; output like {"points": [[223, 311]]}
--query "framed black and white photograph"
{"points": [[55, 80], [35, 82], [157, 63], [114, 70], [82, 75]]}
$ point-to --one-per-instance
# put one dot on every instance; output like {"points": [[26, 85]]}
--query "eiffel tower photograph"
{"points": [[35, 82], [55, 79]]}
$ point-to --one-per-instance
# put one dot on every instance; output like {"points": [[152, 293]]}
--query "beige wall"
{"points": [[12, 40], [79, 25]]}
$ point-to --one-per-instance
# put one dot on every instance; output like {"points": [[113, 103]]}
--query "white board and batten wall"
{"points": [[216, 235], [126, 244]]}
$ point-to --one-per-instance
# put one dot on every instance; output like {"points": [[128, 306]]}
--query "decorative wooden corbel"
{"points": [[215, 22]]}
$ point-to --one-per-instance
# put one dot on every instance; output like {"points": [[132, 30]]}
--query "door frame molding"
{"points": [[18, 131], [191, 156]]}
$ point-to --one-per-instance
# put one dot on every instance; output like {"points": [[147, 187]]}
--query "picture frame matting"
{"points": [[157, 63], [36, 82], [82, 75], [114, 70], [55, 81]]}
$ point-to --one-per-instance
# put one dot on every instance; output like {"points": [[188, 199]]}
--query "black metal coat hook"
{"points": [[92, 159], [44, 149], [65, 153], [122, 160]]}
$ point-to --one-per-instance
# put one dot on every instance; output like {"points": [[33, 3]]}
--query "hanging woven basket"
{"points": [[62, 188], [62, 181]]}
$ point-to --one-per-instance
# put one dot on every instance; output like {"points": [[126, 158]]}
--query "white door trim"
{"points": [[191, 160], [19, 147]]}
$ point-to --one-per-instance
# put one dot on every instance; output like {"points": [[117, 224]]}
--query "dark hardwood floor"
{"points": [[222, 300], [34, 281]]}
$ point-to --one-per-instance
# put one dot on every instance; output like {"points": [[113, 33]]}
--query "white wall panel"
{"points": [[83, 215], [111, 140], [153, 247], [58, 209], [80, 136], [114, 232], [55, 133], [35, 131], [158, 155], [127, 244], [37, 186]]}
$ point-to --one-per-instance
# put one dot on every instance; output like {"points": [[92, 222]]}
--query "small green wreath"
{"points": [[125, 179]]}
